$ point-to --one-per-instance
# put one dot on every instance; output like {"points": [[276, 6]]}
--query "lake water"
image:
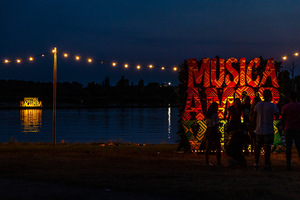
{"points": [[138, 125]]}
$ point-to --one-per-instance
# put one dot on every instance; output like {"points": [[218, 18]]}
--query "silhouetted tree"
{"points": [[106, 82], [93, 94], [141, 83], [123, 82]]}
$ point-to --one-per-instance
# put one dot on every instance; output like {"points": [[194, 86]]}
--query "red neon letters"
{"points": [[234, 77]]}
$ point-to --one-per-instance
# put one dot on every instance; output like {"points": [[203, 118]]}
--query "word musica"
{"points": [[234, 78]]}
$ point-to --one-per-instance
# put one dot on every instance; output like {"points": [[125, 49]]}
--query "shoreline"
{"points": [[87, 107]]}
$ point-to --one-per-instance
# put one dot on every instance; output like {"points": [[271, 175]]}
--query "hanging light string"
{"points": [[113, 63], [77, 57], [296, 54], [30, 58]]}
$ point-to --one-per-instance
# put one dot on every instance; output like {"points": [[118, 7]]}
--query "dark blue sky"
{"points": [[158, 32]]}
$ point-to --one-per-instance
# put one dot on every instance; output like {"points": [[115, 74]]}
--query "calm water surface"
{"points": [[139, 125]]}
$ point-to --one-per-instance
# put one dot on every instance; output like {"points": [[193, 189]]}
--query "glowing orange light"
{"points": [[18, 61], [126, 65], [66, 55], [31, 102], [31, 58], [162, 68], [43, 55], [284, 57], [114, 64], [31, 120], [296, 54], [138, 67], [54, 51], [77, 57], [174, 68], [6, 61], [150, 66], [90, 60]]}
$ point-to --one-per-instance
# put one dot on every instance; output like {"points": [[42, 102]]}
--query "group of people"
{"points": [[257, 129]]}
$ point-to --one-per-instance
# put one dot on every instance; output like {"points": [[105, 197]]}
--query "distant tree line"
{"points": [[93, 95]]}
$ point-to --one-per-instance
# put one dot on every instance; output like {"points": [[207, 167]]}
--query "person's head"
{"points": [[293, 96], [255, 101], [247, 101], [267, 95], [244, 95], [213, 108], [237, 102]]}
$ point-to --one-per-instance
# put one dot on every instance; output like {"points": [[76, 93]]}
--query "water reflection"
{"points": [[31, 120], [138, 125], [169, 122]]}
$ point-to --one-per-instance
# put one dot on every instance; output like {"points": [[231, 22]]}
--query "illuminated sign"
{"points": [[31, 102], [220, 81]]}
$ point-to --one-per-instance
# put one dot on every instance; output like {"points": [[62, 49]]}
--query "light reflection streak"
{"points": [[169, 122], [31, 120]]}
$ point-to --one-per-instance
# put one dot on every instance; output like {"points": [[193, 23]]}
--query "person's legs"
{"points": [[267, 155], [239, 150], [241, 159], [258, 147], [268, 140], [296, 137], [207, 150], [232, 150], [289, 143], [218, 151], [252, 141], [234, 145]]}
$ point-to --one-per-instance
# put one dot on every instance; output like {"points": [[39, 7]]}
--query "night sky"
{"points": [[158, 32]]}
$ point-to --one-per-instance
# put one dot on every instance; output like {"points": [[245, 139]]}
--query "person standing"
{"points": [[253, 123], [212, 133], [290, 120], [236, 143], [264, 113], [246, 107]]}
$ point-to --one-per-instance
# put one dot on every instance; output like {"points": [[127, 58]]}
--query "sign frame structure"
{"points": [[217, 80]]}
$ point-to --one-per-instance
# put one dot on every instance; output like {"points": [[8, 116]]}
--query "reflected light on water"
{"points": [[169, 122], [31, 120]]}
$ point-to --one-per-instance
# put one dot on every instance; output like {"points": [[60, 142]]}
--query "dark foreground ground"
{"points": [[129, 171]]}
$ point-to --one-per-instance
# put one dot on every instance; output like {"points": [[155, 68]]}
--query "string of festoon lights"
{"points": [[112, 63], [77, 57], [287, 56]]}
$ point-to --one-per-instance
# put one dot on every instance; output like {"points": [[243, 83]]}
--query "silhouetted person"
{"points": [[264, 112], [246, 109], [290, 119], [237, 140], [212, 133], [253, 123], [246, 106]]}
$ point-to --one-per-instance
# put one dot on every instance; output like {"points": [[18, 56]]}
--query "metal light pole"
{"points": [[54, 95]]}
